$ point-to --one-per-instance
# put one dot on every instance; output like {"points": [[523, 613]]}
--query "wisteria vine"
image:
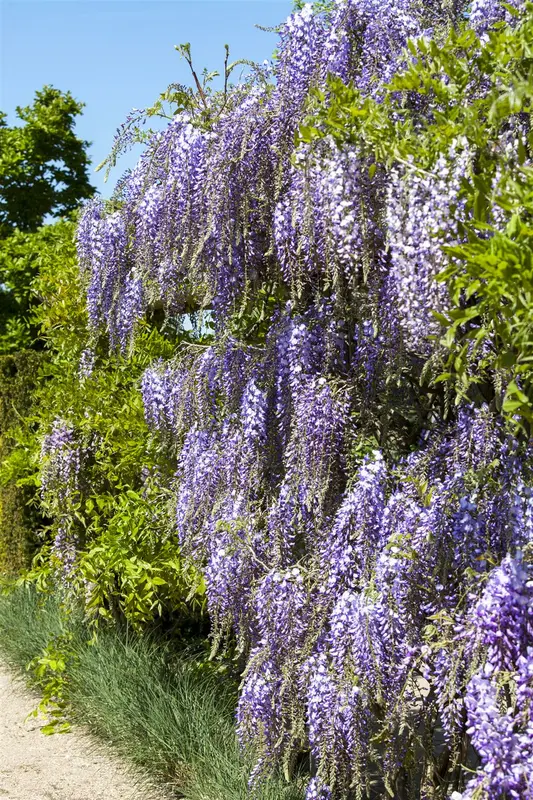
{"points": [[379, 595]]}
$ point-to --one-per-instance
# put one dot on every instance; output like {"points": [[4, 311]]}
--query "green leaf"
{"points": [[513, 11]]}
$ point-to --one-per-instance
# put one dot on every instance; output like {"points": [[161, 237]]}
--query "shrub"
{"points": [[19, 514]]}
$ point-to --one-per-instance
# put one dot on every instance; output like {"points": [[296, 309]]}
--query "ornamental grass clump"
{"points": [[168, 716]]}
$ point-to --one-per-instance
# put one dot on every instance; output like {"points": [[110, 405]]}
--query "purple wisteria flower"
{"points": [[60, 465], [498, 698], [485, 13], [423, 212]]}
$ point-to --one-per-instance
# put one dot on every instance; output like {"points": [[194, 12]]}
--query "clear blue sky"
{"points": [[116, 55]]}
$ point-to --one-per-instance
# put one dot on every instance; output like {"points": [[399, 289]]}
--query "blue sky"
{"points": [[116, 55]]}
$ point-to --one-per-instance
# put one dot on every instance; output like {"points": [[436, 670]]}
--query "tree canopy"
{"points": [[43, 163], [43, 173]]}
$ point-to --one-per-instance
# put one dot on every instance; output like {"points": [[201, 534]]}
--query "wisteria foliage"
{"points": [[382, 606]]}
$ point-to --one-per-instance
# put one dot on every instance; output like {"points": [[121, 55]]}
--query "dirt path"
{"points": [[69, 766]]}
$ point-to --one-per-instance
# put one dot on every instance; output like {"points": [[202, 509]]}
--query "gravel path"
{"points": [[69, 766]]}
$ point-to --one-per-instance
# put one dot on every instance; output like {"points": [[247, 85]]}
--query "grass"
{"points": [[159, 711]]}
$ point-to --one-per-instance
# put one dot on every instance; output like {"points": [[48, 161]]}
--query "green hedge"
{"points": [[19, 518]]}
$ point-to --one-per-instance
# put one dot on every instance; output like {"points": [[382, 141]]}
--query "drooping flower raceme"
{"points": [[423, 212], [60, 482], [499, 695]]}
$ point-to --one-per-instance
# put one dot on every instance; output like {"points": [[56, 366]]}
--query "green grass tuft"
{"points": [[159, 710]]}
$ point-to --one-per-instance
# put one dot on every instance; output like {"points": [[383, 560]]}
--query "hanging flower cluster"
{"points": [[485, 13], [346, 576], [423, 214], [499, 696], [60, 483]]}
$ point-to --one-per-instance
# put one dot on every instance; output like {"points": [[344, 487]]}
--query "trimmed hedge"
{"points": [[19, 518]]}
